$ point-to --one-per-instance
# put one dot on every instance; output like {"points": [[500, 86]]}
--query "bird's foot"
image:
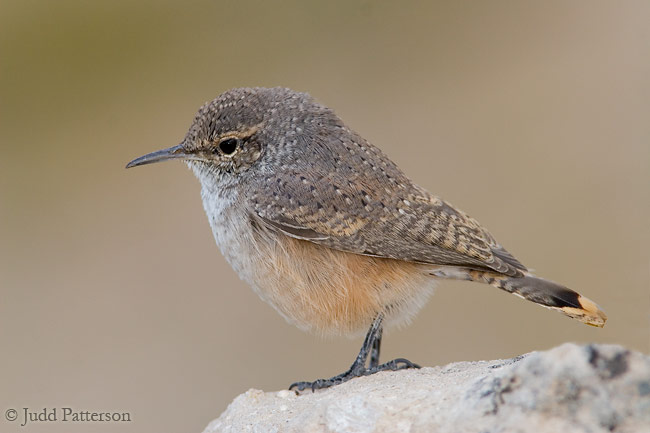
{"points": [[395, 364]]}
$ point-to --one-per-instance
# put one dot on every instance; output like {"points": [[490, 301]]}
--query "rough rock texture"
{"points": [[594, 388]]}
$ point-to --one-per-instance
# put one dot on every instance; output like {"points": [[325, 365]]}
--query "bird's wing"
{"points": [[378, 214]]}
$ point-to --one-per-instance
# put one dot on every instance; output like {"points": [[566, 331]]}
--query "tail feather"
{"points": [[538, 290], [551, 295]]}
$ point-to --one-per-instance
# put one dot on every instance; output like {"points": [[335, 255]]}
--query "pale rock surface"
{"points": [[571, 388]]}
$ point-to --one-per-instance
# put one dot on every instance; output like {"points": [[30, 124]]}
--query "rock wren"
{"points": [[329, 231]]}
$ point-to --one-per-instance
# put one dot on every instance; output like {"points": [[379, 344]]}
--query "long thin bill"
{"points": [[173, 152]]}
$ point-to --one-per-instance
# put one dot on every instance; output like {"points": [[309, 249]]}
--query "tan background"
{"points": [[534, 117]]}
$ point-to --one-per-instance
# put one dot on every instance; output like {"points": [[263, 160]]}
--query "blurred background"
{"points": [[113, 295]]}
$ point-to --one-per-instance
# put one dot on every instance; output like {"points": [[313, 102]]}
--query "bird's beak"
{"points": [[173, 152]]}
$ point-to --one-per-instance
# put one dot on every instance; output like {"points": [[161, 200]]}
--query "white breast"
{"points": [[231, 229]]}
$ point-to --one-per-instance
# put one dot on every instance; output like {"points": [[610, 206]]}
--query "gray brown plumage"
{"points": [[326, 228]]}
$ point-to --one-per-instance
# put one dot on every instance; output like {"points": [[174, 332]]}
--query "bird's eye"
{"points": [[229, 145]]}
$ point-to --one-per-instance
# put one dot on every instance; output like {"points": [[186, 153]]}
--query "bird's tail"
{"points": [[543, 292], [550, 295]]}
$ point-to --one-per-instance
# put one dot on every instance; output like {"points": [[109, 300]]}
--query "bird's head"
{"points": [[246, 130]]}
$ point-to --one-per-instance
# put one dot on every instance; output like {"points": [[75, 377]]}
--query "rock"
{"points": [[571, 388]]}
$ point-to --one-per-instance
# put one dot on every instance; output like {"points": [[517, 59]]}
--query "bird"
{"points": [[329, 231]]}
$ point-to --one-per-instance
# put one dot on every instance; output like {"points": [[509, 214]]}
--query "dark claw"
{"points": [[299, 385], [406, 362], [394, 365]]}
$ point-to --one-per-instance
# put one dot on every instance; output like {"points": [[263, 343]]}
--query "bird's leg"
{"points": [[371, 345], [357, 368], [376, 347], [395, 364]]}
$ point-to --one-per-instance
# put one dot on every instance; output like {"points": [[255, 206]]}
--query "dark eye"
{"points": [[229, 145]]}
